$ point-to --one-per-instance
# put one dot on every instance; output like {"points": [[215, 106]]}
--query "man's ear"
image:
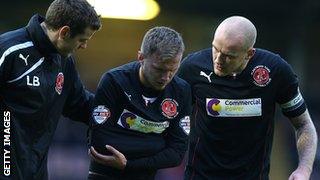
{"points": [[140, 56], [250, 53], [64, 32]]}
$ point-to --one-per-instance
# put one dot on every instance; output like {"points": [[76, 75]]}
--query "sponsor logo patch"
{"points": [[59, 83], [129, 120], [169, 108], [184, 123], [261, 76], [100, 114], [233, 107]]}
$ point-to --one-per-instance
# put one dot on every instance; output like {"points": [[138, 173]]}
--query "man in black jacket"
{"points": [[141, 112], [39, 82]]}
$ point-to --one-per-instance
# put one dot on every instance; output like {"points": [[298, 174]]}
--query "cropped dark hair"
{"points": [[77, 14]]}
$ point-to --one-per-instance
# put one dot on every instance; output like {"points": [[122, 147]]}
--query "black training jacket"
{"points": [[37, 85]]}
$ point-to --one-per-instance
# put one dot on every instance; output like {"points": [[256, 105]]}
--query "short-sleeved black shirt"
{"points": [[233, 117]]}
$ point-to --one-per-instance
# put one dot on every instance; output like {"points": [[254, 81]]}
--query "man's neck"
{"points": [[141, 77], [51, 34], [44, 27]]}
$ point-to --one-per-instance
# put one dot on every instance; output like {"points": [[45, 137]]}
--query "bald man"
{"points": [[235, 88]]}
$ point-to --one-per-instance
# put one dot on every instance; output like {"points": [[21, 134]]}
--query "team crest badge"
{"points": [[100, 114], [261, 76], [59, 83], [169, 108]]}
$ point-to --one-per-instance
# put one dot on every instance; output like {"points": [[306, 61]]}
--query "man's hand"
{"points": [[117, 160], [302, 173]]}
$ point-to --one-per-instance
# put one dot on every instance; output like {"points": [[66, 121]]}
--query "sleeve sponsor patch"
{"points": [[100, 114], [184, 123], [293, 104]]}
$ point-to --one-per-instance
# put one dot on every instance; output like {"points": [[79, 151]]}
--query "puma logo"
{"points": [[205, 75], [24, 59]]}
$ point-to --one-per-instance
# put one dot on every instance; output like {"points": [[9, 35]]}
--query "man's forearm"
{"points": [[306, 142]]}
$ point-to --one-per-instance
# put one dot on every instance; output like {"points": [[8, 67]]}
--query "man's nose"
{"points": [[166, 76], [219, 58]]}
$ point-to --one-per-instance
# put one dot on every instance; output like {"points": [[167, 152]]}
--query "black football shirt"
{"points": [[232, 122], [150, 128]]}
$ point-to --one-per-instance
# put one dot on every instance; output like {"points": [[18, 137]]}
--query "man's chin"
{"points": [[219, 73], [159, 87], [67, 55]]}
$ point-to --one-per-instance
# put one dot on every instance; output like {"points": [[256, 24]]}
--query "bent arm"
{"points": [[79, 101], [171, 156]]}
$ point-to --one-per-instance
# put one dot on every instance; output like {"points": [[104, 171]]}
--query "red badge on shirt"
{"points": [[169, 108], [59, 83], [261, 76]]}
